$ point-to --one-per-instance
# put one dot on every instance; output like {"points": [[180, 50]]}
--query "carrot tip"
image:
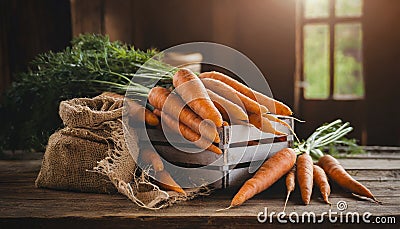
{"points": [[223, 209], [377, 201]]}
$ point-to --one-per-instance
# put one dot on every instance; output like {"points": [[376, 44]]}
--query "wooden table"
{"points": [[21, 204]]}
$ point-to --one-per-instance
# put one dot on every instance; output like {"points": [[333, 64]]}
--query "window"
{"points": [[330, 37]]}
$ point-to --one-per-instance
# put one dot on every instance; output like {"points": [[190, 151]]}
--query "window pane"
{"points": [[348, 79], [316, 8], [348, 8], [316, 61]]}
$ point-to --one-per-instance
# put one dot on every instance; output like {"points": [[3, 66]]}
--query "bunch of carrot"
{"points": [[298, 163], [199, 105]]}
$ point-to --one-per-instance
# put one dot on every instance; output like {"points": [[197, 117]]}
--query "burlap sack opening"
{"points": [[90, 155]]}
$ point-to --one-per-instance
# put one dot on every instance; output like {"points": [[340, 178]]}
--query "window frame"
{"points": [[331, 21]]}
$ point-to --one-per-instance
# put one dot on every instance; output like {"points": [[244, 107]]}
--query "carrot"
{"points": [[162, 99], [234, 96], [187, 133], [275, 119], [321, 181], [193, 92], [269, 172], [164, 179], [337, 173], [223, 112], [263, 124], [305, 176], [272, 104], [137, 111], [149, 156], [290, 184], [234, 111]]}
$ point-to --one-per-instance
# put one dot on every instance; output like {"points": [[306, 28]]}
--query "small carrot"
{"points": [[234, 96], [269, 172], [162, 99], [305, 176], [135, 110], [290, 184], [187, 133], [233, 110], [337, 173], [263, 124], [272, 104], [151, 157], [321, 181], [193, 92], [164, 179]]}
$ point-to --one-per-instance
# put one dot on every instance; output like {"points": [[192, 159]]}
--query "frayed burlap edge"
{"points": [[153, 198]]}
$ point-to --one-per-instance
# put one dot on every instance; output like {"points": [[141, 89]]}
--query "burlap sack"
{"points": [[90, 155]]}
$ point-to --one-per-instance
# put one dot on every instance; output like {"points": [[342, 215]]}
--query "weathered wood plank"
{"points": [[23, 204]]}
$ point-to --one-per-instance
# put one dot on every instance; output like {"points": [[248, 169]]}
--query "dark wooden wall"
{"points": [[382, 71], [264, 30], [30, 27]]}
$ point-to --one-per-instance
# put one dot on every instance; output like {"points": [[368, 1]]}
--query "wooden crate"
{"points": [[244, 149]]}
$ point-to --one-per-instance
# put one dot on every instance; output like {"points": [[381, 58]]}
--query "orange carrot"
{"points": [[305, 176], [223, 112], [187, 133], [263, 124], [269, 172], [164, 179], [135, 110], [234, 96], [193, 92], [162, 99], [272, 104], [321, 181], [337, 173], [290, 184], [233, 110], [151, 157], [275, 119]]}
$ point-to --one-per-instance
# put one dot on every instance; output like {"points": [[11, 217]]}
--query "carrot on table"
{"points": [[164, 179], [193, 92], [233, 110], [290, 182], [321, 181], [234, 96], [337, 173], [272, 104], [305, 176], [162, 99], [269, 172], [151, 157], [187, 133], [263, 124], [137, 111]]}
